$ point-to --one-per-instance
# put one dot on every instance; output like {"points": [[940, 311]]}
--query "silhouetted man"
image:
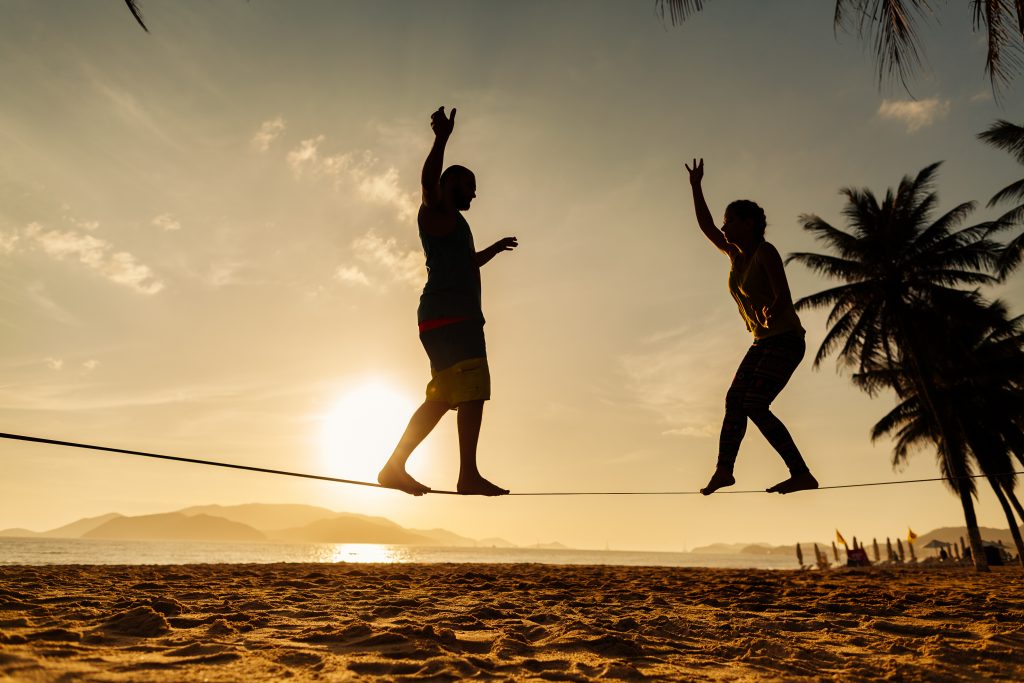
{"points": [[451, 320]]}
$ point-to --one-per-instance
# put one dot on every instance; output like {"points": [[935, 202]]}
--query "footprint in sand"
{"points": [[55, 635], [142, 622], [301, 660]]}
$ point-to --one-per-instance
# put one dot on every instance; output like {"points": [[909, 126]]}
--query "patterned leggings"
{"points": [[762, 374]]}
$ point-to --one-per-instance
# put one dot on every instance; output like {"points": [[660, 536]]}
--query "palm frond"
{"points": [[904, 413], [829, 297], [133, 7], [1006, 136], [891, 26], [1003, 56], [941, 226], [846, 244], [1012, 192], [1011, 256], [678, 11], [830, 266]]}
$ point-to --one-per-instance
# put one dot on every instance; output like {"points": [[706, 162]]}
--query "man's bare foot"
{"points": [[397, 478], [720, 479], [798, 482], [478, 486]]}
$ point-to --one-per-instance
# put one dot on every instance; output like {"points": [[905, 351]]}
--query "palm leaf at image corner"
{"points": [[678, 11], [133, 7], [891, 29]]}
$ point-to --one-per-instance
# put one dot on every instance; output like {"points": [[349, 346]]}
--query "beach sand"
{"points": [[542, 622]]}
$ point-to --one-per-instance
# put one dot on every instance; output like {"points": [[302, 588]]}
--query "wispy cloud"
{"points": [[915, 114], [131, 111], [8, 242], [268, 132], [372, 180], [671, 375], [223, 273], [119, 267], [54, 363], [166, 222], [304, 156], [89, 365], [381, 262], [86, 225], [352, 275]]}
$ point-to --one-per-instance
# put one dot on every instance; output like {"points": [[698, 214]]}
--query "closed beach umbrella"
{"points": [[835, 551], [899, 550], [855, 546], [799, 555], [910, 547], [874, 546], [888, 548]]}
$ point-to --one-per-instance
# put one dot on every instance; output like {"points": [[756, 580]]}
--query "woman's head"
{"points": [[744, 220]]}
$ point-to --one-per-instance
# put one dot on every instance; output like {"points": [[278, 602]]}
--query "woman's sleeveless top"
{"points": [[752, 291], [453, 278]]}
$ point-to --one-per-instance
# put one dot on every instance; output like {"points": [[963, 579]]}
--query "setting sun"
{"points": [[361, 428]]}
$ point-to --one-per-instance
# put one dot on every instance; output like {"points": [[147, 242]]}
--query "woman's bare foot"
{"points": [[798, 482], [720, 479], [478, 486], [397, 478]]}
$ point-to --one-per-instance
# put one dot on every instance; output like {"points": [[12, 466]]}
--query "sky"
{"points": [[208, 249]]}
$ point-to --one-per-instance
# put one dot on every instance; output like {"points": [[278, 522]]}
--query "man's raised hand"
{"points": [[442, 125]]}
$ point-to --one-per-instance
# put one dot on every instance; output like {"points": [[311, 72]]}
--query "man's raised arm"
{"points": [[431, 177]]}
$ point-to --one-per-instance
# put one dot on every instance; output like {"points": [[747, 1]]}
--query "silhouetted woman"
{"points": [[757, 281]]}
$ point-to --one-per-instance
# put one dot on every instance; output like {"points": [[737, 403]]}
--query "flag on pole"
{"points": [[911, 536], [839, 539]]}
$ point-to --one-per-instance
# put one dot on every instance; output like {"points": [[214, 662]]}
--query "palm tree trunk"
{"points": [[956, 467], [1014, 501], [997, 486], [973, 533]]}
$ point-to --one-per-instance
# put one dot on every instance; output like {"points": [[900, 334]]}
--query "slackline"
{"points": [[337, 480]]}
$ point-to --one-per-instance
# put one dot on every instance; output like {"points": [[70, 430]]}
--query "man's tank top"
{"points": [[453, 278], [752, 291]]}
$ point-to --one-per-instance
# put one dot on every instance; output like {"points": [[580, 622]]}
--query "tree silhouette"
{"points": [[900, 269], [976, 359]]}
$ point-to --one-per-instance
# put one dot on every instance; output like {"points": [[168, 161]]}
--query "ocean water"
{"points": [[86, 551]]}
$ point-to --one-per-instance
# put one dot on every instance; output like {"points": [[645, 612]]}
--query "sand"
{"points": [[522, 622]]}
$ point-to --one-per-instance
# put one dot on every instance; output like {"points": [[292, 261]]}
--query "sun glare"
{"points": [[362, 427]]}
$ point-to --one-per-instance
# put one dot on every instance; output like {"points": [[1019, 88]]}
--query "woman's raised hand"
{"points": [[696, 173]]}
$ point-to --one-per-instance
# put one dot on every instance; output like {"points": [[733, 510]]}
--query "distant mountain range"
{"points": [[259, 522]]}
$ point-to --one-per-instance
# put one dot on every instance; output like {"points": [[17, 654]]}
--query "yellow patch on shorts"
{"points": [[467, 380]]}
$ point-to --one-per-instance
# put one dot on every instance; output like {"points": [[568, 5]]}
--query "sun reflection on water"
{"points": [[363, 553]]}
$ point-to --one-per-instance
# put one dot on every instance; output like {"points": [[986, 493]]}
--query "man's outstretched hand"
{"points": [[442, 125], [506, 244]]}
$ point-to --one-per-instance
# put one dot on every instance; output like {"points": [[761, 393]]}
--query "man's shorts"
{"points": [[458, 363]]}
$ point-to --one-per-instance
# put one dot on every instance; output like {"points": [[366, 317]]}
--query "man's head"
{"points": [[458, 186]]}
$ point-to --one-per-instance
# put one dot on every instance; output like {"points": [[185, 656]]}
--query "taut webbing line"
{"points": [[320, 477]]}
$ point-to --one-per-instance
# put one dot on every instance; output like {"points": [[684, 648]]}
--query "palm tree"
{"points": [[891, 26], [896, 265], [976, 359], [1009, 137]]}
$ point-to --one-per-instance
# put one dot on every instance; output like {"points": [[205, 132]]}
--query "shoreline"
{"points": [[559, 622]]}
